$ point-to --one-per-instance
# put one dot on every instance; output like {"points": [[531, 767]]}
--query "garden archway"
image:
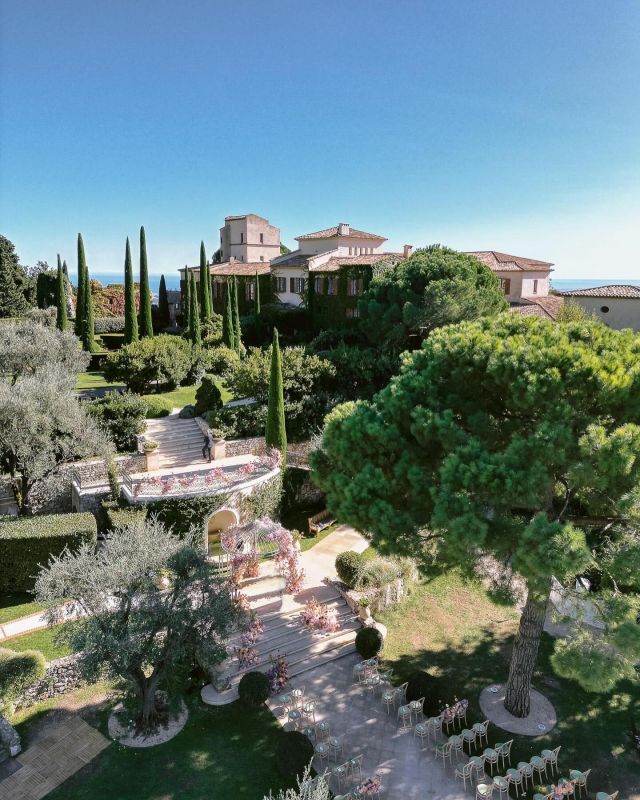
{"points": [[219, 521]]}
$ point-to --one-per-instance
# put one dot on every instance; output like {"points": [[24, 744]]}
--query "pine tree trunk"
{"points": [[525, 655]]}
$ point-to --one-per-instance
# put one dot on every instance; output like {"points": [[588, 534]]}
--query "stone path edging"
{"points": [[542, 716]]}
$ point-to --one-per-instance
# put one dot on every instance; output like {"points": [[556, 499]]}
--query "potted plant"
{"points": [[149, 445], [150, 449], [364, 611]]}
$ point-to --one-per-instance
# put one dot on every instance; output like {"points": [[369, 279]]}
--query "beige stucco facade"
{"points": [[249, 238], [523, 284], [616, 312]]}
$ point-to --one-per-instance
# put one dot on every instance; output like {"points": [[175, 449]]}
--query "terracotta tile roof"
{"points": [[546, 307], [614, 290], [294, 259], [235, 268], [330, 233], [503, 262], [335, 263]]}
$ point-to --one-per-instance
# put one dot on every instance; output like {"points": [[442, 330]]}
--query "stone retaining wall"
{"points": [[61, 676], [9, 738], [243, 447]]}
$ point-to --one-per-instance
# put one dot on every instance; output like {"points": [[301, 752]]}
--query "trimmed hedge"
{"points": [[158, 406], [112, 341], [108, 324], [254, 689], [119, 516], [294, 752], [27, 543], [369, 642], [348, 566], [18, 671], [208, 397]]}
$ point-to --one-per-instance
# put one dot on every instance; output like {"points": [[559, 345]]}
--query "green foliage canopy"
{"points": [[436, 286], [504, 436]]}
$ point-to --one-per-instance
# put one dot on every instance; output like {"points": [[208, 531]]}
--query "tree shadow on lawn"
{"points": [[593, 729]]}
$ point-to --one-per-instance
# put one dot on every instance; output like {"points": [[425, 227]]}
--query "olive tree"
{"points": [[132, 624], [512, 437]]}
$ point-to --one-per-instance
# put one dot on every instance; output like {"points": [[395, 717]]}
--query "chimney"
{"points": [[408, 249], [232, 259], [344, 229]]}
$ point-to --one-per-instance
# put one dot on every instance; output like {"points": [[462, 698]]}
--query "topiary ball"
{"points": [[254, 689], [369, 642], [188, 412], [294, 752], [348, 566]]}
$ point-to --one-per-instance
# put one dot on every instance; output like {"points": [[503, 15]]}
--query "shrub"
{"points": [[122, 416], [187, 412], [239, 422], [380, 571], [219, 360], [294, 752], [120, 516], [163, 361], [348, 565], [208, 397], [18, 671], [254, 689], [27, 543], [158, 406], [369, 642], [108, 325]]}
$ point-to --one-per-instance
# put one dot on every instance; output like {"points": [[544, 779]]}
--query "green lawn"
{"points": [[15, 606], [42, 640], [186, 395], [455, 631], [224, 753], [93, 380]]}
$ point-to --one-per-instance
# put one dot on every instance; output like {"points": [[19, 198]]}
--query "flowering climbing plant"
{"points": [[287, 559]]}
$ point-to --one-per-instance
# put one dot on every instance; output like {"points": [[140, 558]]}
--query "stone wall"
{"points": [[242, 447], [9, 738], [61, 676], [53, 495]]}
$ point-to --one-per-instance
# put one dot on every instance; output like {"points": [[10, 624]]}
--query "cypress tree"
{"points": [[61, 299], [130, 317], [146, 323], [194, 316], [186, 301], [88, 331], [211, 293], [205, 280], [164, 318], [227, 317], [275, 432], [237, 330], [13, 302], [258, 318], [80, 293]]}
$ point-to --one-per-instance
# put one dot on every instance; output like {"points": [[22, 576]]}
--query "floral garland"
{"points": [[287, 559], [319, 616], [246, 655], [213, 478], [253, 632]]}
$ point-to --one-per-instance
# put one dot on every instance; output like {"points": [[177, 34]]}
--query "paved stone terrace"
{"points": [[407, 771], [63, 749]]}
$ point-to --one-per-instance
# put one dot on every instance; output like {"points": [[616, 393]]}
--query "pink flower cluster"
{"points": [[253, 633], [272, 459], [246, 655], [319, 617], [216, 477], [287, 559], [370, 786], [278, 674]]}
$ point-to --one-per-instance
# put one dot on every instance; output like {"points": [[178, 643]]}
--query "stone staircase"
{"points": [[180, 441], [285, 634]]}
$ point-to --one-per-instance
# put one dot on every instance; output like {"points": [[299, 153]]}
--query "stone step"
{"points": [[293, 634], [276, 619], [301, 654]]}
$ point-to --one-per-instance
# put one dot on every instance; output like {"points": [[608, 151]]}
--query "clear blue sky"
{"points": [[499, 124]]}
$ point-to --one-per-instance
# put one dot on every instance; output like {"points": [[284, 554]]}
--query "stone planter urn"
{"points": [[219, 449], [153, 460], [364, 612]]}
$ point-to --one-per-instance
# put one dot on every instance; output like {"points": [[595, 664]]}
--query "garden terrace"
{"points": [[224, 475]]}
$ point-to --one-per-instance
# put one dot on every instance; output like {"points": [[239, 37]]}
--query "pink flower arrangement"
{"points": [[272, 459], [241, 601], [278, 674], [319, 617], [370, 786], [246, 656], [248, 469], [253, 633]]}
